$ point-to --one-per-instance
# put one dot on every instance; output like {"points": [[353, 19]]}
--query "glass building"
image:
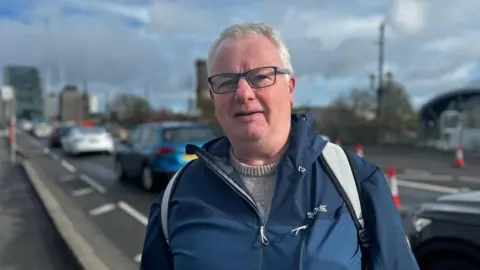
{"points": [[28, 90]]}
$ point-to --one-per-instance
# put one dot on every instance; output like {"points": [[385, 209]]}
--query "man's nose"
{"points": [[244, 91]]}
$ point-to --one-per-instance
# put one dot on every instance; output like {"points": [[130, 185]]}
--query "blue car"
{"points": [[155, 151]]}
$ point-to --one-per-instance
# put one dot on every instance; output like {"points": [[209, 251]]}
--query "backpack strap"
{"points": [[167, 194], [342, 172], [339, 170]]}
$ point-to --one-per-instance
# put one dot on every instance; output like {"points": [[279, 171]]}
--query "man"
{"points": [[247, 202]]}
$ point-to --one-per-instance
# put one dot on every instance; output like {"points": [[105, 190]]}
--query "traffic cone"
{"points": [[359, 150], [392, 179], [459, 160]]}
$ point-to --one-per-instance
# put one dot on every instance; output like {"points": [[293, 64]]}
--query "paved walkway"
{"points": [[28, 240]]}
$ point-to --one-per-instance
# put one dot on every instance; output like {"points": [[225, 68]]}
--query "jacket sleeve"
{"points": [[156, 254], [390, 249]]}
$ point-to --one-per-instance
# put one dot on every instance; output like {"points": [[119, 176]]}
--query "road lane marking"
{"points": [[68, 166], [99, 188], [82, 192], [68, 178], [428, 187], [138, 258], [426, 177], [470, 179], [103, 209], [133, 213], [46, 150]]}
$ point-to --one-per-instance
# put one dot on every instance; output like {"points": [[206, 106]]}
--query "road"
{"points": [[121, 209], [409, 159], [28, 239]]}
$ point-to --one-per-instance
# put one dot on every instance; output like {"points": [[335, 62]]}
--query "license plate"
{"points": [[190, 157]]}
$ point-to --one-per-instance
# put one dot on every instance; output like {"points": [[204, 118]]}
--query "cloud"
{"points": [[138, 44]]}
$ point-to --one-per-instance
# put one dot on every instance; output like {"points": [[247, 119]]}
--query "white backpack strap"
{"points": [[166, 201], [337, 160]]}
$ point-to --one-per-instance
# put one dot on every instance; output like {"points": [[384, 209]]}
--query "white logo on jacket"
{"points": [[316, 210]]}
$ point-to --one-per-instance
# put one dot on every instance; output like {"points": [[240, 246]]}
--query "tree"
{"points": [[129, 109], [398, 114], [350, 117]]}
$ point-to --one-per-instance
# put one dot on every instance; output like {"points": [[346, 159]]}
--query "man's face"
{"points": [[250, 114]]}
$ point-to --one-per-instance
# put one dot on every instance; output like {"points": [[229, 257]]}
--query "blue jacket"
{"points": [[214, 224]]}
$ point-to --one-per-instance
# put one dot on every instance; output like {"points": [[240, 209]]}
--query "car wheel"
{"points": [[452, 263], [119, 172], [147, 179]]}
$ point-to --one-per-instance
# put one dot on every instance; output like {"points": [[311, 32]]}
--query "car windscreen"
{"points": [[62, 131], [187, 134]]}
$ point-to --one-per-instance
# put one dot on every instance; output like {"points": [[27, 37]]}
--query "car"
{"points": [[58, 133], [42, 130], [447, 232], [80, 140], [26, 125], [155, 151]]}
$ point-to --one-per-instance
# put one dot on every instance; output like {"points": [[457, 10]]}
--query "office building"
{"points": [[72, 105], [202, 90], [27, 84], [51, 106]]}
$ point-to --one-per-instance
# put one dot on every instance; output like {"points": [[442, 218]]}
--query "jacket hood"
{"points": [[304, 148]]}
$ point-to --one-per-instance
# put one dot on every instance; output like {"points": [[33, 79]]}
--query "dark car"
{"points": [[58, 133], [155, 151], [447, 233]]}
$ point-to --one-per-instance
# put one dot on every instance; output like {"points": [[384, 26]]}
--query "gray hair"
{"points": [[245, 29]]}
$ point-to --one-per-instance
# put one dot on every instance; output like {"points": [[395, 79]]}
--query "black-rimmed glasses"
{"points": [[257, 78]]}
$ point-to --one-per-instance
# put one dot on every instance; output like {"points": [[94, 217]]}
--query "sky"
{"points": [[149, 46]]}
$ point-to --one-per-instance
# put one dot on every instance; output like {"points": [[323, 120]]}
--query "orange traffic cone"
{"points": [[359, 150], [459, 160], [392, 179]]}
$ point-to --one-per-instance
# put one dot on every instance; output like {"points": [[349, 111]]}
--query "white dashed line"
{"points": [[434, 188], [138, 258], [46, 150], [103, 209], [99, 188], [68, 178], [426, 177], [133, 213], [68, 166], [81, 192]]}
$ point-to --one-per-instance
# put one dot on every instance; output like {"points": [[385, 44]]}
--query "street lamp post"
{"points": [[381, 44]]}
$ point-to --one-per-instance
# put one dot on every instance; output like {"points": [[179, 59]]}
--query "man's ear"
{"points": [[291, 84], [291, 88]]}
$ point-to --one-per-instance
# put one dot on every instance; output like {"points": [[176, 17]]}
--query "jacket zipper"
{"points": [[242, 193]]}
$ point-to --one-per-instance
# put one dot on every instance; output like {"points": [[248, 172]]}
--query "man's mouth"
{"points": [[240, 114]]}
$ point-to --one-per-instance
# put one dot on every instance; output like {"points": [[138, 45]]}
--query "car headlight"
{"points": [[420, 223]]}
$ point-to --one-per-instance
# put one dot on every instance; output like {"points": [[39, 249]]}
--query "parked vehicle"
{"points": [[155, 151], [447, 233], [80, 140]]}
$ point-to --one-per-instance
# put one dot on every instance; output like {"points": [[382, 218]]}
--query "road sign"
{"points": [[7, 93]]}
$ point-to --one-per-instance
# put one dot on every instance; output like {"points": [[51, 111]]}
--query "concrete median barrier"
{"points": [[91, 248]]}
